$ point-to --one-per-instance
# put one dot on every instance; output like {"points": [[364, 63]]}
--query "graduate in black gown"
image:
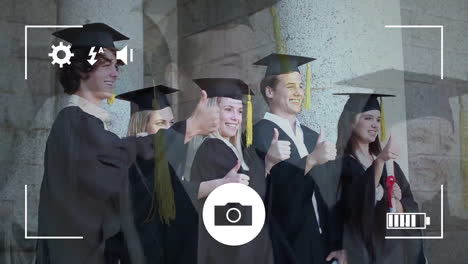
{"points": [[86, 165], [364, 199], [298, 207], [215, 157], [163, 240]]}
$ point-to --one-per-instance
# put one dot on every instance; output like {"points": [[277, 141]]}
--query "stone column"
{"points": [[354, 52], [22, 130], [36, 108]]}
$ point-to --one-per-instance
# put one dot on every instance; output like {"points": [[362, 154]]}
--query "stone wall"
{"points": [[29, 107], [433, 111], [23, 126], [176, 41]]}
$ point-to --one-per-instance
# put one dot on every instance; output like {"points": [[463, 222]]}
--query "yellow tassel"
{"points": [[164, 192], [308, 84], [280, 45], [165, 195], [249, 121], [383, 131], [111, 99]]}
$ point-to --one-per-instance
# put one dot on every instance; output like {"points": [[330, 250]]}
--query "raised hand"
{"points": [[234, 177], [324, 151], [279, 150], [339, 255], [396, 193], [391, 151], [204, 119]]}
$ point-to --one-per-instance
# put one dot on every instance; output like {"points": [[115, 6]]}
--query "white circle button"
{"points": [[234, 214]]}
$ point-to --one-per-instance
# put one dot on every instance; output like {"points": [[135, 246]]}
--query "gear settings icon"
{"points": [[66, 58]]}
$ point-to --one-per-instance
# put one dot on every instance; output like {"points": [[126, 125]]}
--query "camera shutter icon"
{"points": [[233, 214]]}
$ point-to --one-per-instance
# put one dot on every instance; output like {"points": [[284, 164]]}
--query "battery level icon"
{"points": [[407, 221]]}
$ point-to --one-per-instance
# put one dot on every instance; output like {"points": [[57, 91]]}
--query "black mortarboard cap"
{"points": [[282, 63], [150, 98], [224, 87], [91, 35], [362, 102]]}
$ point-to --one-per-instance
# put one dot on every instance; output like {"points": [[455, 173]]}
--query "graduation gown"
{"points": [[85, 168], [358, 200], [291, 197], [162, 243], [213, 160]]}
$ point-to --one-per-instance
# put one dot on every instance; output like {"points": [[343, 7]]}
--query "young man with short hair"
{"points": [[295, 156], [86, 165]]}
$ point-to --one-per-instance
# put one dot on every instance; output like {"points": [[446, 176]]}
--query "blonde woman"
{"points": [[164, 239], [217, 154]]}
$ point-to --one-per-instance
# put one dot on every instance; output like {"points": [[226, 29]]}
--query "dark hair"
{"points": [[79, 68], [347, 139], [363, 216], [270, 81]]}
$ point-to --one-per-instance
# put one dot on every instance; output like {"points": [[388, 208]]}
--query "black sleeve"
{"points": [[213, 160], [358, 193], [256, 171], [114, 155], [334, 211], [176, 147], [288, 187], [407, 200], [325, 180], [191, 188], [262, 136]]}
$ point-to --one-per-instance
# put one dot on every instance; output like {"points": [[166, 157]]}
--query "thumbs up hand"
{"points": [[391, 151], [324, 151], [234, 177], [204, 119], [321, 136], [279, 150]]}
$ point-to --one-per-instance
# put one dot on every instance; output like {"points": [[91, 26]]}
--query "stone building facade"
{"points": [[179, 40]]}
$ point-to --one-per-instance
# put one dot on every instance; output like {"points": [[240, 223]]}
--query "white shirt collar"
{"points": [[298, 137], [90, 108]]}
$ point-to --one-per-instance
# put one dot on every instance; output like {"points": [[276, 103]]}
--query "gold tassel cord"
{"points": [[111, 99], [280, 45], [163, 183], [383, 131], [249, 121], [164, 192], [308, 88]]}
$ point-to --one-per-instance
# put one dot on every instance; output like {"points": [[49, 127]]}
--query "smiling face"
{"points": [[286, 98], [367, 126], [230, 116], [102, 80], [163, 118]]}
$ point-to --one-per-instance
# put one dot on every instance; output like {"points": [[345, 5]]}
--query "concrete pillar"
{"points": [[22, 133], [353, 51], [161, 46], [122, 15]]}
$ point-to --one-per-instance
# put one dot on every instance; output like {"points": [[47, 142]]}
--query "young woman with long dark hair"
{"points": [[364, 198]]}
